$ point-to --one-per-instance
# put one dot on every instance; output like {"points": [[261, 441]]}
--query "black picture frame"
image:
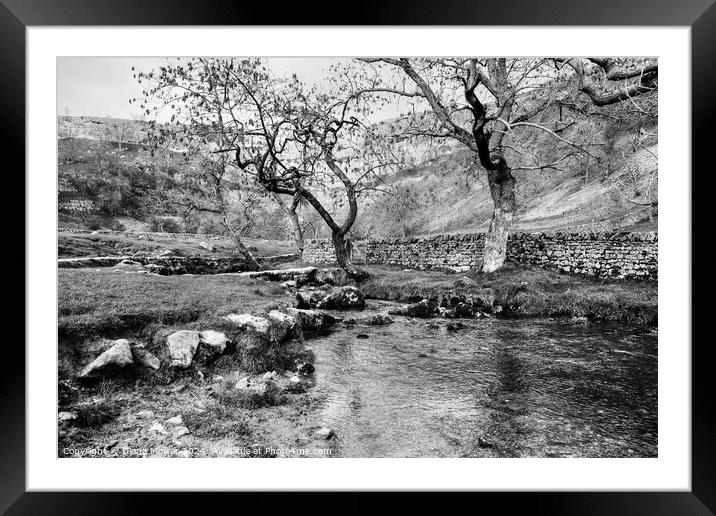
{"points": [[17, 15]]}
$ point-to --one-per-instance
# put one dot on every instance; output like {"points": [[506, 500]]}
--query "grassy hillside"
{"points": [[443, 190], [448, 191]]}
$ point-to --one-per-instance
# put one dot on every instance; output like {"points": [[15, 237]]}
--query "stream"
{"points": [[493, 388]]}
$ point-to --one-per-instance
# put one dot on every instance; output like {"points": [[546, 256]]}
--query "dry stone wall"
{"points": [[606, 254]]}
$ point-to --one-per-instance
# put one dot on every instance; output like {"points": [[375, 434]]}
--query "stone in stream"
{"points": [[214, 340], [419, 309], [343, 298], [312, 320], [115, 359], [182, 346], [378, 320], [307, 300]]}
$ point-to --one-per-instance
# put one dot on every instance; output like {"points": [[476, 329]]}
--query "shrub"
{"points": [[94, 222], [165, 225], [117, 226]]}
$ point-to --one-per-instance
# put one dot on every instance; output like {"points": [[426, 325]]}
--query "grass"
{"points": [[71, 245], [522, 291], [104, 302]]}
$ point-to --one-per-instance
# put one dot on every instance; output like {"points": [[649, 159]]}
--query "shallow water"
{"points": [[495, 388]]}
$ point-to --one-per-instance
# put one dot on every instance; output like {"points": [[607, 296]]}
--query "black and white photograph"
{"points": [[357, 257]]}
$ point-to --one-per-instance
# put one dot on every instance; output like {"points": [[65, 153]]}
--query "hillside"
{"points": [[108, 177]]}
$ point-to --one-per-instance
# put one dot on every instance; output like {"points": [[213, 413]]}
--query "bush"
{"points": [[165, 225], [117, 226], [94, 222]]}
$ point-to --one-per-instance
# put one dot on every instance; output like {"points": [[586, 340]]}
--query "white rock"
{"points": [[281, 325], [174, 421], [145, 414], [250, 322], [114, 359], [213, 339], [67, 416], [247, 385], [206, 245], [294, 380], [325, 433], [158, 428], [182, 345], [242, 384], [270, 375], [180, 430]]}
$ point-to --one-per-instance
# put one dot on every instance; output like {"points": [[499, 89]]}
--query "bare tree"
{"points": [[522, 90]]}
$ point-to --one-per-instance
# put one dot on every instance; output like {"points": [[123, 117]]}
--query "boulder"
{"points": [[145, 358], [343, 298], [250, 323], [181, 346], [420, 309], [378, 320], [214, 340], [307, 300], [282, 325], [115, 359], [312, 320]]}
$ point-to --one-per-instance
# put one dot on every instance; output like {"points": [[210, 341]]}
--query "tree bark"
{"points": [[296, 226], [254, 265], [502, 188], [343, 257], [292, 214]]}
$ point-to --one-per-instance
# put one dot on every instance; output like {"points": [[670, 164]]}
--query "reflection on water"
{"points": [[495, 388]]}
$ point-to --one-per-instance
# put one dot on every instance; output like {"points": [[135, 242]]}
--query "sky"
{"points": [[102, 86]]}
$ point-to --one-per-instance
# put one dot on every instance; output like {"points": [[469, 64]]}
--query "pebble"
{"points": [[180, 431], [325, 433], [176, 420], [158, 428]]}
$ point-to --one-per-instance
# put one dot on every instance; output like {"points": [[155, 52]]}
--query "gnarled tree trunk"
{"points": [[344, 257], [502, 188]]}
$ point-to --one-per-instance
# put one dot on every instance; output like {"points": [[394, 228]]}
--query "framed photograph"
{"points": [[419, 252]]}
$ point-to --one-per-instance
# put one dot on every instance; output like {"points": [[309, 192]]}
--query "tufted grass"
{"points": [[522, 291], [106, 303]]}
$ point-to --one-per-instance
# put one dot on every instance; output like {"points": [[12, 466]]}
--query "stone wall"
{"points": [[319, 251], [613, 254], [77, 206]]}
